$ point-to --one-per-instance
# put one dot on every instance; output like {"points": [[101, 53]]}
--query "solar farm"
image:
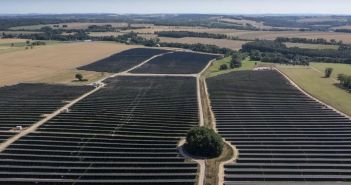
{"points": [[176, 63], [127, 128], [283, 136]]}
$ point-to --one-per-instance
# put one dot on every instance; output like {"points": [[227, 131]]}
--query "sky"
{"points": [[177, 6]]}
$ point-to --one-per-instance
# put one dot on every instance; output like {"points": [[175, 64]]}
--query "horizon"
{"points": [[238, 7]]}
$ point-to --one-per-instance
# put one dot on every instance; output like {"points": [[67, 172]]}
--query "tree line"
{"points": [[278, 52], [343, 30], [235, 61], [182, 34], [309, 41], [345, 81]]}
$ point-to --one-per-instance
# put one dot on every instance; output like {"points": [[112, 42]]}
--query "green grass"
{"points": [[324, 89], [18, 46], [337, 68], [213, 70]]}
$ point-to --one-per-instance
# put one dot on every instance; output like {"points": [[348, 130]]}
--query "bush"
{"points": [[204, 142], [328, 71], [235, 64], [79, 76], [223, 67]]}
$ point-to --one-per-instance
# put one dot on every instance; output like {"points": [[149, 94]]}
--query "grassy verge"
{"points": [[212, 165], [337, 68], [213, 70], [68, 77], [324, 89]]}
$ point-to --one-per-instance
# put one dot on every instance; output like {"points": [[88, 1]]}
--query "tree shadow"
{"points": [[338, 85], [83, 80]]}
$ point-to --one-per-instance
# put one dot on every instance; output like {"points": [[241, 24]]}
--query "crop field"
{"points": [[9, 41], [125, 133], [10, 45], [251, 35], [105, 34], [322, 19], [283, 136], [122, 61], [75, 25], [232, 44], [245, 22], [25, 104], [311, 46], [176, 63], [39, 64]]}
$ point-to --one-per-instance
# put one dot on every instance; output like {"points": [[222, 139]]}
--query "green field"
{"points": [[213, 70], [325, 89], [6, 47], [337, 68]]}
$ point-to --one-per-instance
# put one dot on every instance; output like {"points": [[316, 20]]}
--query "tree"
{"points": [[341, 78], [236, 60], [223, 67], [79, 76], [204, 142], [347, 83], [328, 71], [235, 64]]}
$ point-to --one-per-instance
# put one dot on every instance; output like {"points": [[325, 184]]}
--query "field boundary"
{"points": [[309, 95]]}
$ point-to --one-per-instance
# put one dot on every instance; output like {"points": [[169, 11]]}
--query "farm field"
{"points": [[321, 19], [12, 45], [281, 134], [252, 35], [9, 41], [271, 35], [310, 46], [324, 89], [124, 60], [245, 22], [41, 63], [75, 25], [125, 133], [105, 34], [176, 63], [232, 44]]}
